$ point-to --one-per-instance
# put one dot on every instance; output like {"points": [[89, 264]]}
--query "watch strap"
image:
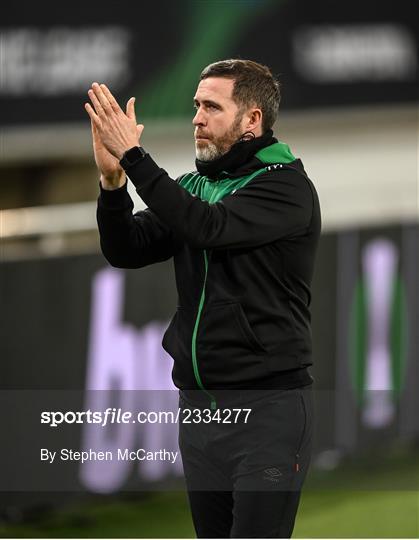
{"points": [[132, 156]]}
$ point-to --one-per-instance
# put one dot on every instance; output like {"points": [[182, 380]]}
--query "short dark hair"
{"points": [[254, 84]]}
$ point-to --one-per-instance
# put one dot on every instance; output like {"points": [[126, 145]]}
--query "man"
{"points": [[243, 231]]}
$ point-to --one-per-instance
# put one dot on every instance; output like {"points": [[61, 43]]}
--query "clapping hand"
{"points": [[113, 131]]}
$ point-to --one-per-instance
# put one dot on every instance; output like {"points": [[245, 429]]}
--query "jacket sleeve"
{"points": [[272, 206], [131, 240]]}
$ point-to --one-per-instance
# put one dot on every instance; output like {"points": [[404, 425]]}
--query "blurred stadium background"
{"points": [[349, 110]]}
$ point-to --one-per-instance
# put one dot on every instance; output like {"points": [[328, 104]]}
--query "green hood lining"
{"points": [[275, 153]]}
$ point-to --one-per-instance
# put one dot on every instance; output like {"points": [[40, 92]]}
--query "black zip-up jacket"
{"points": [[243, 233]]}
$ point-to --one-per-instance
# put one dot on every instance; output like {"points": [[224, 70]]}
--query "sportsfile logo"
{"points": [[272, 474]]}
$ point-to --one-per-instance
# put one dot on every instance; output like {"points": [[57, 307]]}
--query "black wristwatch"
{"points": [[132, 156]]}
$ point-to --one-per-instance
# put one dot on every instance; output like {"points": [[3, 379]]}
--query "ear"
{"points": [[254, 119]]}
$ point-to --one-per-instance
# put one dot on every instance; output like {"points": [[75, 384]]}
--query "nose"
{"points": [[199, 118]]}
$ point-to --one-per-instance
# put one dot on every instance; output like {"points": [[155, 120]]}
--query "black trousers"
{"points": [[244, 478]]}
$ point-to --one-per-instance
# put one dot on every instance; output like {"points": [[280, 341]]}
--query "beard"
{"points": [[216, 147]]}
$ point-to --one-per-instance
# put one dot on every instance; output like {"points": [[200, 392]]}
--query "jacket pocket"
{"points": [[225, 327], [177, 338], [228, 350], [246, 330]]}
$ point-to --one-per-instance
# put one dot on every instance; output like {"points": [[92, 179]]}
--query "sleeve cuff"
{"points": [[115, 199]]}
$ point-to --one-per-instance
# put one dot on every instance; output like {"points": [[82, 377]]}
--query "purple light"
{"points": [[125, 360], [379, 261]]}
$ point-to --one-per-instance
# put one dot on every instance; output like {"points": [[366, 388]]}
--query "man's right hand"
{"points": [[112, 176]]}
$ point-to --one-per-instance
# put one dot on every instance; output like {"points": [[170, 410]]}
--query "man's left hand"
{"points": [[118, 130]]}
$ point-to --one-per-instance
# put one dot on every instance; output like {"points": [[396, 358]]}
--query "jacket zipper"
{"points": [[198, 318], [195, 332]]}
